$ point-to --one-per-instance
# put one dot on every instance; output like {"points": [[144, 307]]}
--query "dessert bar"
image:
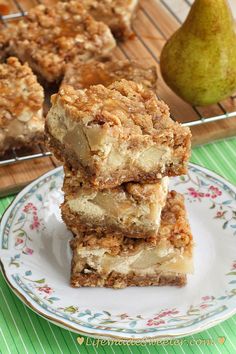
{"points": [[117, 134], [131, 209], [108, 70], [21, 116], [117, 261], [50, 36], [117, 14]]}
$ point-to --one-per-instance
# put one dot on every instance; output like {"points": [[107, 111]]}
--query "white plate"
{"points": [[35, 259]]}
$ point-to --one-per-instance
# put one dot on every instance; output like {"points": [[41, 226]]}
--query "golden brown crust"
{"points": [[119, 281], [142, 112], [126, 120], [21, 118], [108, 70], [174, 227], [117, 14], [48, 37], [123, 104], [174, 222], [19, 90]]}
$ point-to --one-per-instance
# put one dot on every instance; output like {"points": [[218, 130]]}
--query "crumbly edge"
{"points": [[75, 182], [42, 59], [79, 224], [114, 70], [130, 95], [119, 281], [120, 16], [135, 193], [12, 75], [149, 120], [110, 70], [69, 158], [174, 227]]}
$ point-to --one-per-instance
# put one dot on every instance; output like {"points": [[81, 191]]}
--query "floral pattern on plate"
{"points": [[36, 260]]}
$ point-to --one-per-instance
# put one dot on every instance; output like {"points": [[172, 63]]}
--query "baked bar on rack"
{"points": [[117, 134], [107, 70], [21, 102], [131, 209], [118, 261], [117, 14], [50, 36]]}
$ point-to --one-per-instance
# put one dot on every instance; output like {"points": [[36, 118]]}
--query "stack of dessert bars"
{"points": [[119, 146]]}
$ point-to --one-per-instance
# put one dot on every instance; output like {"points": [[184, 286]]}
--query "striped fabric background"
{"points": [[23, 331]]}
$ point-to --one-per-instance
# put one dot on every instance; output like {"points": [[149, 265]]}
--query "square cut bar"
{"points": [[131, 209], [117, 134], [117, 262], [49, 37], [117, 14], [21, 102], [108, 70]]}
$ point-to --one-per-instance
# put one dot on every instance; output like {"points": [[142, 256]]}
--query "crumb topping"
{"points": [[52, 36], [124, 104], [108, 7], [174, 224], [117, 14], [21, 95], [107, 70]]}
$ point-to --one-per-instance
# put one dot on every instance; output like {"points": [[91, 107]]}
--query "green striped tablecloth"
{"points": [[23, 331]]}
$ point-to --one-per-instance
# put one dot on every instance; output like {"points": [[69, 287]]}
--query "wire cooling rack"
{"points": [[16, 157]]}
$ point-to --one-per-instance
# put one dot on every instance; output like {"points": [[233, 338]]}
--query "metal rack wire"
{"points": [[15, 157], [202, 120]]}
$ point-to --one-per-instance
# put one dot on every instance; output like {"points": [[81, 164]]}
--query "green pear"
{"points": [[199, 61]]}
